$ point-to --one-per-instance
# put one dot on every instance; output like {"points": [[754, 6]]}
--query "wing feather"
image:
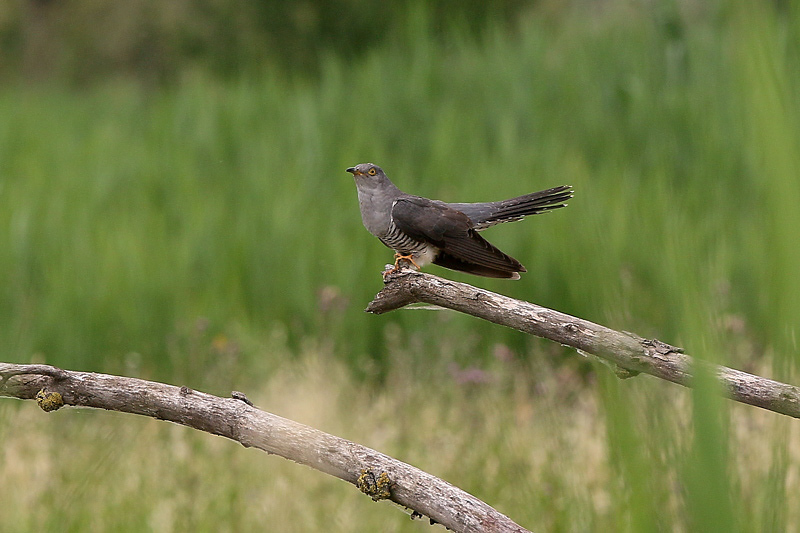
{"points": [[449, 230]]}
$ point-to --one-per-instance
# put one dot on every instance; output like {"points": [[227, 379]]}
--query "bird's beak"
{"points": [[353, 171]]}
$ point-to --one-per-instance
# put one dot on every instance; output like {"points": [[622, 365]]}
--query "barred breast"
{"points": [[398, 241]]}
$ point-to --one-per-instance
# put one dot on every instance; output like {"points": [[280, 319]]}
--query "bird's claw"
{"points": [[398, 257], [404, 257]]}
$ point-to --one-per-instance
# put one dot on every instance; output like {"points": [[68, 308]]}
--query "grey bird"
{"points": [[423, 231]]}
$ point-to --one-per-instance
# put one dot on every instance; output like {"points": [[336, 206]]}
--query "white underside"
{"points": [[426, 256]]}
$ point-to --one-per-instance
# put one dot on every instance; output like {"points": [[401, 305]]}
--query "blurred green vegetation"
{"points": [[203, 231], [81, 41]]}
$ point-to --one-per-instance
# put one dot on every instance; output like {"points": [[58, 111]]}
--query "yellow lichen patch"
{"points": [[376, 487], [49, 401]]}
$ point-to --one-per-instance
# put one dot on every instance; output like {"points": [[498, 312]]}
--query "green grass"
{"points": [[206, 233]]}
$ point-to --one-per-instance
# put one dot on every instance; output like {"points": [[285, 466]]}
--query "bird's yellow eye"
{"points": [[371, 172]]}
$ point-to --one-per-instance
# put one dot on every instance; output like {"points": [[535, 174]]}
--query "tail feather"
{"points": [[529, 204], [486, 214]]}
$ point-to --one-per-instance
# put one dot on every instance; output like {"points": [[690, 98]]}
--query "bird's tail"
{"points": [[488, 214], [528, 204]]}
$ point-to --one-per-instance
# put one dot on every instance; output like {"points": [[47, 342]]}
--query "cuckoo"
{"points": [[423, 231]]}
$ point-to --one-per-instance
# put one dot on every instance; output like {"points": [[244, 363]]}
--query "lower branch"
{"points": [[376, 474], [630, 352]]}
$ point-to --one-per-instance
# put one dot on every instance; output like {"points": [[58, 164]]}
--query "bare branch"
{"points": [[630, 352], [377, 475]]}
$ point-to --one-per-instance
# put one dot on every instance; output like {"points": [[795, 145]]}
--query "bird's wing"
{"points": [[449, 230]]}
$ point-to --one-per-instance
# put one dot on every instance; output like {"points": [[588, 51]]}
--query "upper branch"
{"points": [[628, 351]]}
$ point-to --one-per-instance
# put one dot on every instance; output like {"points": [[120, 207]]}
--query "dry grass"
{"points": [[516, 439]]}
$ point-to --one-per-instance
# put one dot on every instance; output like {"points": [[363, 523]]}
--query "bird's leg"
{"points": [[400, 257], [404, 257]]}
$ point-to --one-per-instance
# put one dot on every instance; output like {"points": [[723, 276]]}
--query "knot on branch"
{"points": [[657, 347], [242, 397], [376, 487], [49, 400]]}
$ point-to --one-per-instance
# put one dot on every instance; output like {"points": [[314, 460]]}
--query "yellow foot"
{"points": [[397, 258]]}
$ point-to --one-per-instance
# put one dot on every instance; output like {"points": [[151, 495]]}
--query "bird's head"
{"points": [[367, 171]]}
